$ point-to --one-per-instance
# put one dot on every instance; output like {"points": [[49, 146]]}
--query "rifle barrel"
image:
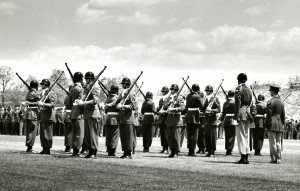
{"points": [[23, 81]]}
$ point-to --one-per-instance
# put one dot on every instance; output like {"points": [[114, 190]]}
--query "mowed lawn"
{"points": [[146, 171]]}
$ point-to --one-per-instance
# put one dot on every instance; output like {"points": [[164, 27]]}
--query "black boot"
{"points": [[43, 151], [47, 151], [241, 160], [191, 152], [133, 150], [163, 151], [172, 154], [94, 154], [75, 152], [111, 152], [91, 152], [246, 161], [124, 155], [68, 149], [208, 154], [203, 151], [258, 153]]}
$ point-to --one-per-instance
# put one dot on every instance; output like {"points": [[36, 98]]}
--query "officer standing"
{"points": [[47, 117], [91, 115], [211, 108], [148, 110], [77, 121], [67, 122], [162, 120], [192, 119], [243, 99], [274, 122], [259, 121], [228, 124], [126, 117], [112, 121], [31, 115], [201, 132]]}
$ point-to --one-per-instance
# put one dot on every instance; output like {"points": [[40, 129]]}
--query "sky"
{"points": [[207, 40]]}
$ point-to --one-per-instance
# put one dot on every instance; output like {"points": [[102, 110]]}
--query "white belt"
{"points": [[112, 113], [74, 103], [259, 116], [229, 115], [193, 109], [67, 110], [148, 113], [33, 107]]}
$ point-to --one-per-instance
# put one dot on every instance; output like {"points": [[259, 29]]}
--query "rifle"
{"points": [[224, 93], [256, 100], [123, 100], [187, 84], [215, 94], [178, 93], [91, 86], [72, 77], [67, 92], [287, 96], [43, 99], [23, 82], [139, 90], [104, 88]]}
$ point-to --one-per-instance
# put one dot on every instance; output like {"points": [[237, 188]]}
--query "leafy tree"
{"points": [[6, 77]]}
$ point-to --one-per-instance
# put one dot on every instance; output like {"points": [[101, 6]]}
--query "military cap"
{"points": [[261, 97], [34, 84], [114, 89], [195, 87], [165, 89], [174, 87], [45, 82], [209, 88], [77, 77], [230, 93], [89, 75], [126, 80], [274, 87], [149, 95], [242, 77]]}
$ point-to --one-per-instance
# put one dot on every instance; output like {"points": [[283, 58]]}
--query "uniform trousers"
{"points": [[126, 136], [192, 135], [68, 134], [31, 127], [134, 136], [21, 127], [148, 130], [229, 137], [174, 133], [211, 137], [46, 134], [163, 135], [112, 136], [91, 133], [77, 133], [242, 137], [201, 138], [275, 145], [258, 138], [16, 128], [182, 135]]}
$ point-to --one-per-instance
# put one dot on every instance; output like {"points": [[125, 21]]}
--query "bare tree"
{"points": [[6, 77]]}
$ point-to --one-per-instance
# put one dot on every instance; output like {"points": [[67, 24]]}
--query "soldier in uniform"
{"points": [[227, 119], [162, 121], [31, 115], [201, 132], [148, 110], [67, 122], [112, 121], [126, 117], [21, 119], [259, 121], [274, 122], [211, 108], [192, 119], [77, 121], [9, 121], [47, 117], [243, 100], [16, 120], [174, 121], [91, 116]]}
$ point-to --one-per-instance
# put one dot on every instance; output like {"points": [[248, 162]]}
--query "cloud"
{"points": [[255, 10], [138, 17], [7, 8], [278, 22]]}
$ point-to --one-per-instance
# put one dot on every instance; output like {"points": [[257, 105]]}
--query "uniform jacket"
{"points": [[148, 107], [174, 116], [261, 110], [91, 110], [68, 108], [243, 100], [193, 101], [76, 92], [126, 116], [32, 97], [162, 119], [211, 118], [47, 113], [112, 119], [228, 109], [275, 114]]}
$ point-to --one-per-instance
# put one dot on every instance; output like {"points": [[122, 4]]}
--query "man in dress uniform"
{"points": [[162, 120], [148, 110], [211, 108], [77, 121], [201, 132], [16, 120], [112, 121], [31, 115], [243, 99], [174, 121], [227, 119], [274, 122], [192, 119], [91, 116], [126, 117], [259, 120], [47, 117], [67, 122]]}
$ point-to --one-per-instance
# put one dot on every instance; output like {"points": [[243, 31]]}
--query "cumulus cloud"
{"points": [[7, 8]]}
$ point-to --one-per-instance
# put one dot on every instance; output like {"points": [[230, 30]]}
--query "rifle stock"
{"points": [[104, 88], [43, 99], [139, 90], [123, 100], [187, 84], [72, 77], [23, 81]]}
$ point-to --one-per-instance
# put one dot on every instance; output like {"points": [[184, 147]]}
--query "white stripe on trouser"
{"points": [[275, 145], [242, 136]]}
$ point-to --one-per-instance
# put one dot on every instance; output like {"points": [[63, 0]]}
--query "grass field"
{"points": [[146, 171]]}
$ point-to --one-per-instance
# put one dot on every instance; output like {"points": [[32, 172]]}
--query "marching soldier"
{"points": [[243, 99], [274, 122], [67, 122], [192, 119], [227, 119], [126, 117], [259, 120], [211, 108], [148, 110], [77, 121], [47, 117], [91, 116], [112, 121], [162, 120], [31, 115]]}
